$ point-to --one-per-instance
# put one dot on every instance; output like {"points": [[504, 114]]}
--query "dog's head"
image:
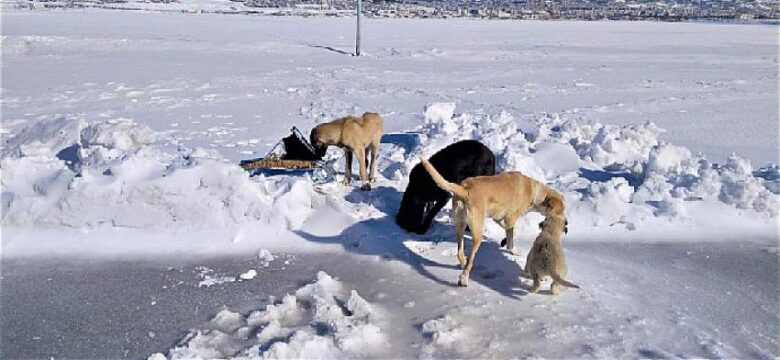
{"points": [[412, 213], [555, 225], [317, 141], [551, 205]]}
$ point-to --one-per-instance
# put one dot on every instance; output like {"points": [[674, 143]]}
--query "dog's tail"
{"points": [[563, 281], [453, 188]]}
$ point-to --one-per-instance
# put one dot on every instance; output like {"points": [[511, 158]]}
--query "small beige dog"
{"points": [[546, 256], [358, 135], [502, 197]]}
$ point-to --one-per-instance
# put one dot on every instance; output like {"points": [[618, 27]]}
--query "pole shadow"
{"points": [[329, 48]]}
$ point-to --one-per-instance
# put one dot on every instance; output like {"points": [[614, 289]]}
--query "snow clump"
{"points": [[320, 321]]}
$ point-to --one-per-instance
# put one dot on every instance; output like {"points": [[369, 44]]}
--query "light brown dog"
{"points": [[502, 197], [358, 135], [546, 255]]}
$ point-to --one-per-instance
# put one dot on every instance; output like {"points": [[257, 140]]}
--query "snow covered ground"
{"points": [[121, 134]]}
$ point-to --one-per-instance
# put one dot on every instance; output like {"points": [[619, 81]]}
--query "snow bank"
{"points": [[320, 321], [67, 173], [113, 174], [610, 174]]}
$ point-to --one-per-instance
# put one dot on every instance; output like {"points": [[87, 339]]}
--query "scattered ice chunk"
{"points": [[248, 275]]}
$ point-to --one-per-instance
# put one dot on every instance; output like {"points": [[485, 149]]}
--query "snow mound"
{"points": [[65, 173], [320, 321], [49, 136], [609, 174]]}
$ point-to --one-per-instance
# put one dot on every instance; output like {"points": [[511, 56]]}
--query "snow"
{"points": [[248, 275], [319, 321], [126, 142], [265, 256], [209, 279]]}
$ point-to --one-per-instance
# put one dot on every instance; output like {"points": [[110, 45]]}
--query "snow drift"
{"points": [[63, 172], [611, 174], [69, 173]]}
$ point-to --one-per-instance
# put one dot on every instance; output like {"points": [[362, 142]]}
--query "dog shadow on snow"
{"points": [[382, 237]]}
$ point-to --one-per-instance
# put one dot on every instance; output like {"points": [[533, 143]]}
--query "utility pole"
{"points": [[357, 33]]}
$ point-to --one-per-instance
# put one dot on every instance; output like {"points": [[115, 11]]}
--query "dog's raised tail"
{"points": [[563, 281], [453, 188]]}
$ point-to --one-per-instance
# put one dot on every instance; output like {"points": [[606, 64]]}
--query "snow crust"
{"points": [[321, 320]]}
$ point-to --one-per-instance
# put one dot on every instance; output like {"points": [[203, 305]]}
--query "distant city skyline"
{"points": [[670, 10], [663, 10]]}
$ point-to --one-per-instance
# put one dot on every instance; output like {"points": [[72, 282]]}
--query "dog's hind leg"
{"points": [[374, 150], [555, 288], [360, 154], [347, 166], [460, 227], [537, 283], [476, 240]]}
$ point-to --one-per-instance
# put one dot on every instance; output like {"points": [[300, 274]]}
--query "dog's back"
{"points": [[498, 193], [366, 129], [457, 162]]}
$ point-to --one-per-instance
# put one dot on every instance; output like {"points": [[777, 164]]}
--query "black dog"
{"points": [[423, 199]]}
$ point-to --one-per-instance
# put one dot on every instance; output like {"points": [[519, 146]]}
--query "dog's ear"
{"points": [[313, 137]]}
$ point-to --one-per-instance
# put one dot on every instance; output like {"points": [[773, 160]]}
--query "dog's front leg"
{"points": [[509, 226], [510, 241], [347, 166]]}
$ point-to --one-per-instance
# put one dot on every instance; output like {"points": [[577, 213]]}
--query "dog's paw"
{"points": [[514, 252], [463, 281], [346, 181], [555, 289], [366, 187]]}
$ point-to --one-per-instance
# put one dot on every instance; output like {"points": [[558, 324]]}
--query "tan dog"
{"points": [[546, 256], [359, 135], [502, 197]]}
